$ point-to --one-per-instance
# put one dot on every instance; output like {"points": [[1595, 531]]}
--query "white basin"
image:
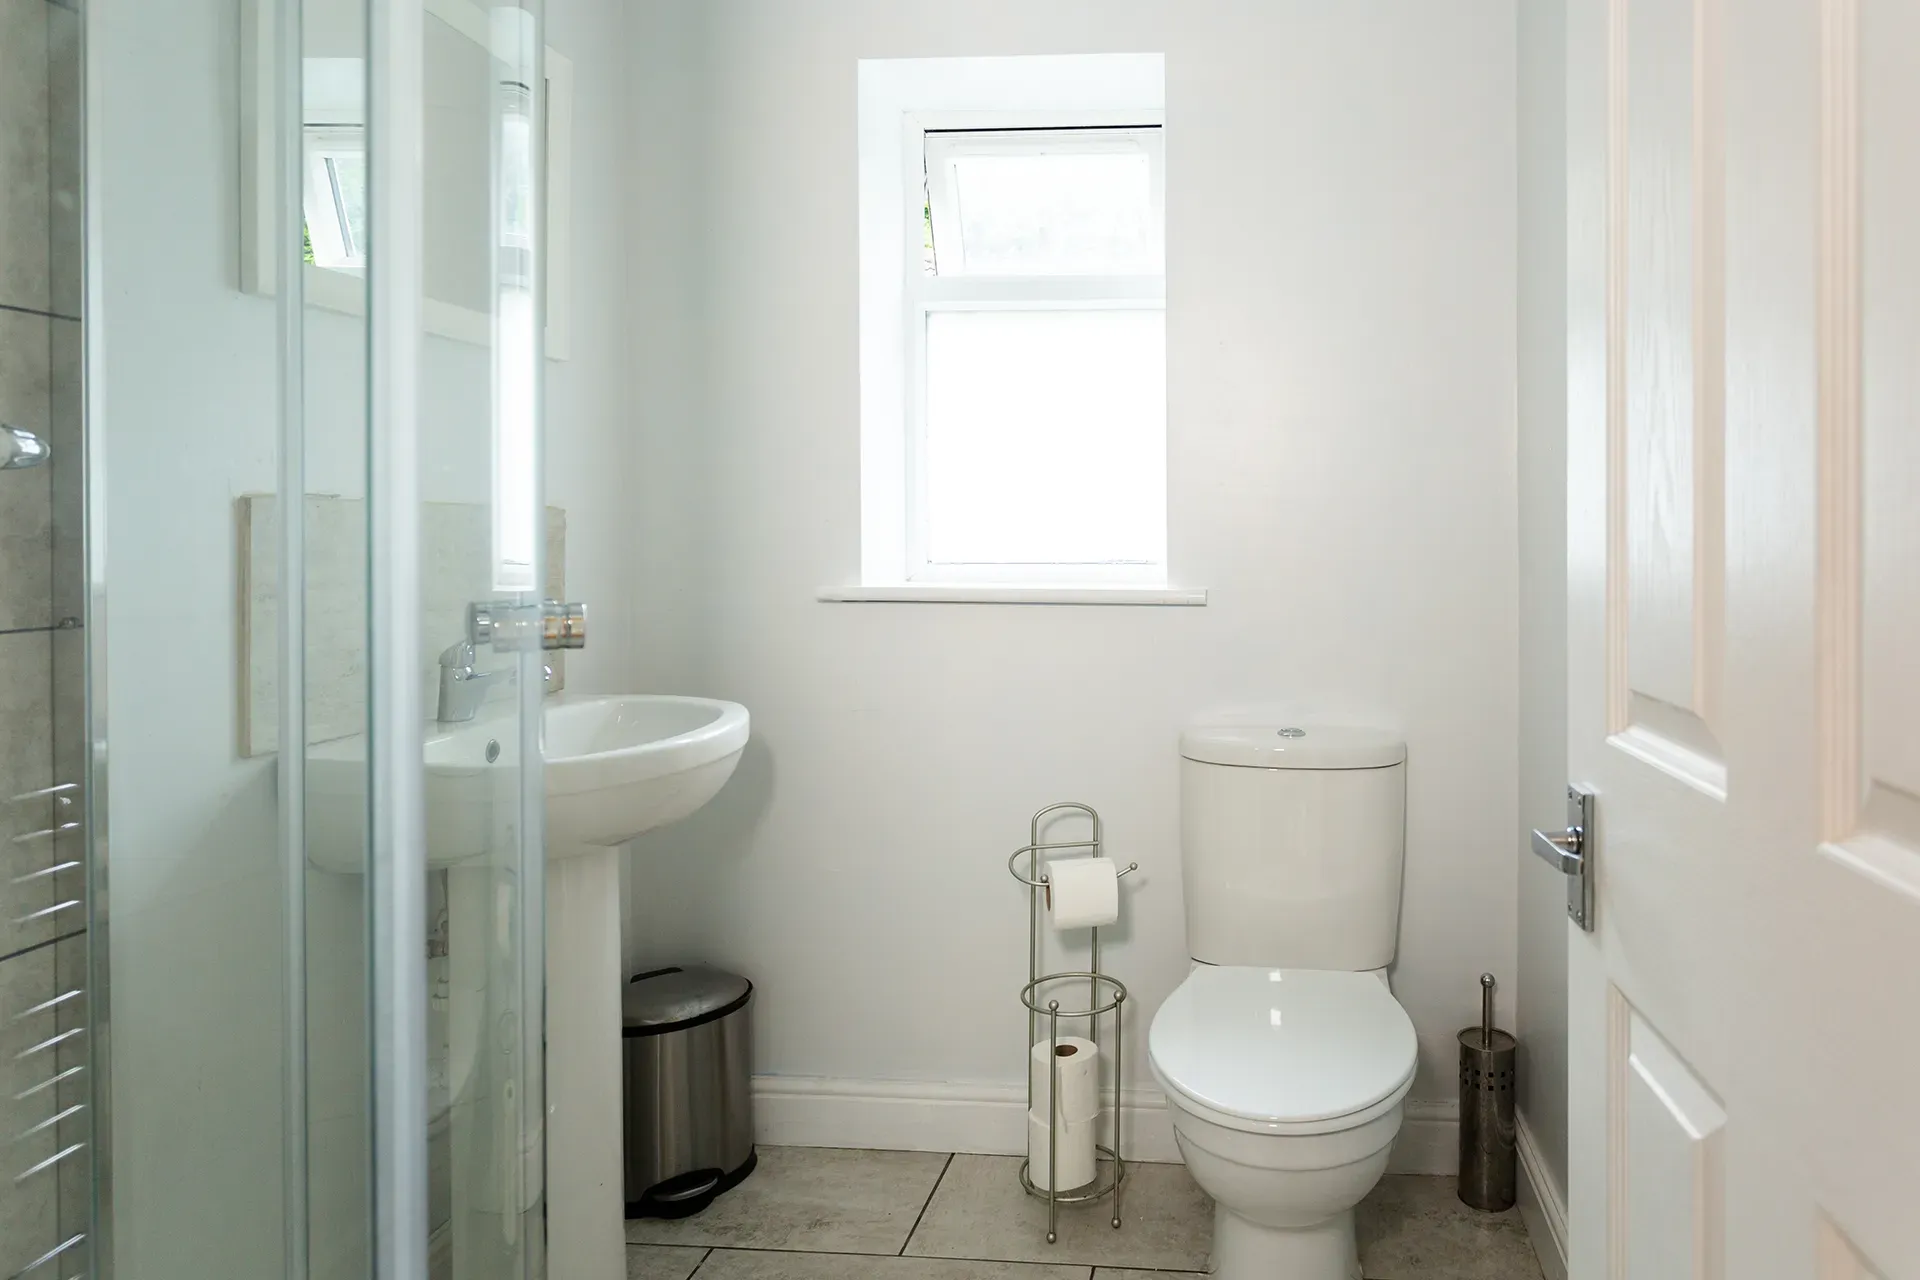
{"points": [[617, 765], [621, 765]]}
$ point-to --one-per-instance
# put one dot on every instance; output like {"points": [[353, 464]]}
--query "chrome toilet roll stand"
{"points": [[1041, 996]]}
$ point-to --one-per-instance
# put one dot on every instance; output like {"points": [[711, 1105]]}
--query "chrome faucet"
{"points": [[506, 626], [463, 687]]}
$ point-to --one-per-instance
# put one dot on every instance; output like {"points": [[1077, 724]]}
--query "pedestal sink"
{"points": [[615, 766]]}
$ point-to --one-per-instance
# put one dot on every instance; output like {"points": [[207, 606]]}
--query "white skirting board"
{"points": [[1543, 1207], [990, 1119]]}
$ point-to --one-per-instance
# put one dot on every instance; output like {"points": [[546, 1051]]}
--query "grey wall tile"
{"points": [[75, 1175], [68, 751], [66, 470], [29, 1218], [26, 513], [26, 764], [66, 224], [23, 153]]}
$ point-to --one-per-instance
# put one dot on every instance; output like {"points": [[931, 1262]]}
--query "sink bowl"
{"points": [[621, 765], [617, 765]]}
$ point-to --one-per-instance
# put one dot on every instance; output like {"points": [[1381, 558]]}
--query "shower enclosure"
{"points": [[272, 318]]}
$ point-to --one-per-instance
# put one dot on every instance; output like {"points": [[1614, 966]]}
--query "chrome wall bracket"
{"points": [[510, 626], [1571, 852]]}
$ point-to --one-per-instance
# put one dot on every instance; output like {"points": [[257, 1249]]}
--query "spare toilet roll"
{"points": [[1072, 1155], [1084, 892], [1079, 1078]]}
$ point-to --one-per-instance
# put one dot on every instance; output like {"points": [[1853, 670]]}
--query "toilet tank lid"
{"points": [[1290, 746]]}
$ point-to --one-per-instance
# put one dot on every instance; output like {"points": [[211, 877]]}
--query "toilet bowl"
{"points": [[1284, 1057], [1285, 1088]]}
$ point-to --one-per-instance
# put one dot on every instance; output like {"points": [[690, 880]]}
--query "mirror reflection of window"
{"points": [[335, 197], [516, 502]]}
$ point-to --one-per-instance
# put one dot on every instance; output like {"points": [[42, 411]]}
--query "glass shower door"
{"points": [[413, 177], [271, 609]]}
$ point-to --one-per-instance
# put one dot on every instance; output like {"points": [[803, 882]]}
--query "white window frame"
{"points": [[929, 140], [932, 139], [899, 100]]}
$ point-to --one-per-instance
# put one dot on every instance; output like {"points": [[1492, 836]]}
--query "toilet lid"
{"points": [[1282, 1045]]}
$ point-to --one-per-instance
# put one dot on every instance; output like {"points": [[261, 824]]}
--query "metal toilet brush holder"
{"points": [[1042, 996], [1488, 1156]]}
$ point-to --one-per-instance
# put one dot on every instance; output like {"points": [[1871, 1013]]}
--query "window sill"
{"points": [[984, 593]]}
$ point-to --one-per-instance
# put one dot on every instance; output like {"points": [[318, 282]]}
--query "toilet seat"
{"points": [[1282, 1051]]}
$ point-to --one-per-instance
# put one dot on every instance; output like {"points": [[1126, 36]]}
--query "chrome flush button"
{"points": [[1291, 732]]}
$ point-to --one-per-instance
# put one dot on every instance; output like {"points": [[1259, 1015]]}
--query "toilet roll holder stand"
{"points": [[1042, 997]]}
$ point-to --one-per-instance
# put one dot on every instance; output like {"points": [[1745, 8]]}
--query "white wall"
{"points": [[187, 425], [1341, 365], [1541, 1013]]}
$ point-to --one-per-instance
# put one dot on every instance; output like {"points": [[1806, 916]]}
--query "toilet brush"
{"points": [[1487, 1154]]}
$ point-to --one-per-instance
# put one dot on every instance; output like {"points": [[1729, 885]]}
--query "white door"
{"points": [[1744, 580]]}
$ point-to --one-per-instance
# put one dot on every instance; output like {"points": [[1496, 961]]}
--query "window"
{"points": [[1039, 418], [1013, 322], [335, 196]]}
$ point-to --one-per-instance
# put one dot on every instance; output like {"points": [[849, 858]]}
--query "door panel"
{"points": [[1668, 1160], [1669, 496], [1876, 822], [1744, 588], [1671, 514]]}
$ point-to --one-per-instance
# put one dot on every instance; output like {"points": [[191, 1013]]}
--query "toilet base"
{"points": [[1244, 1250]]}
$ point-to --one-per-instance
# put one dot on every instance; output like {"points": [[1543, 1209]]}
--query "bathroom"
{"points": [[610, 441]]}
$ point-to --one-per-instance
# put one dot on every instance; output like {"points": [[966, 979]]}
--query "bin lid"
{"points": [[680, 996]]}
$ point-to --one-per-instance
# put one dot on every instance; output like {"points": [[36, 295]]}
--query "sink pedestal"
{"points": [[614, 766], [586, 1198]]}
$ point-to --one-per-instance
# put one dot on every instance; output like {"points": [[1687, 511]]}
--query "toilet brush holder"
{"points": [[1488, 1159]]}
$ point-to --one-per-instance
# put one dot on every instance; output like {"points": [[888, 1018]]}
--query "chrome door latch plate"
{"points": [[1572, 852]]}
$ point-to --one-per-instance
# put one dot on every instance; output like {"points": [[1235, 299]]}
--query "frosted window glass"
{"points": [[1060, 214], [1046, 437]]}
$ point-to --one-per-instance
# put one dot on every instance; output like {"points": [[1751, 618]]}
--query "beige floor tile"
{"points": [[663, 1261], [1417, 1229], [980, 1211], [1122, 1273], [819, 1200], [730, 1264]]}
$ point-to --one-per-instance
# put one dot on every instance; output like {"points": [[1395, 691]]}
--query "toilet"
{"points": [[1284, 1056]]}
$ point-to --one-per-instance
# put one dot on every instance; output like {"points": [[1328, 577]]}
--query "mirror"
{"points": [[458, 300]]}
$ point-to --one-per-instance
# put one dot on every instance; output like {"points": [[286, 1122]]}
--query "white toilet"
{"points": [[1284, 1056]]}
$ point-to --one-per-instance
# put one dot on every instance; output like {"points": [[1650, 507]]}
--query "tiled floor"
{"points": [[813, 1214]]}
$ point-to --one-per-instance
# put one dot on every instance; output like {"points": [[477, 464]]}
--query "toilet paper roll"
{"points": [[1079, 1061], [1083, 893], [1073, 1153]]}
